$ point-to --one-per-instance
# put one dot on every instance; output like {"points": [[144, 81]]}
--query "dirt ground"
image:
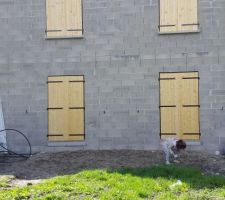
{"points": [[45, 165]]}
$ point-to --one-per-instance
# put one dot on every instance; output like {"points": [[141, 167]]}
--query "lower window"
{"points": [[66, 108], [179, 105]]}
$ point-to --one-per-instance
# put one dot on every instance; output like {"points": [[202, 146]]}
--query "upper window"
{"points": [[178, 16], [64, 18]]}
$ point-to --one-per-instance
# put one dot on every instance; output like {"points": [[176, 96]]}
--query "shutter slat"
{"points": [[54, 14], [76, 105], [190, 106], [168, 110], [187, 15], [168, 16]]}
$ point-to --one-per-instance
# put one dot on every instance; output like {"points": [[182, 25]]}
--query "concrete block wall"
{"points": [[121, 56]]}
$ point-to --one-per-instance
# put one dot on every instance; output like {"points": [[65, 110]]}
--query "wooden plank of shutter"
{"points": [[57, 123], [190, 123], [76, 108], [168, 122], [167, 92], [188, 15], [189, 87], [168, 108], [76, 98], [189, 120], [74, 21], [56, 94], [55, 18], [168, 16], [76, 124]]}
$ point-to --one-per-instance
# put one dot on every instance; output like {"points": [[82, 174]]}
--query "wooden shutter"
{"points": [[189, 106], [66, 108], [187, 15], [76, 107], [74, 17], [56, 108], [178, 16], [179, 105], [168, 16], [168, 106], [64, 18]]}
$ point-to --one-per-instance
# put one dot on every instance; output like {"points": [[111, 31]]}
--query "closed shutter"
{"points": [[178, 16], [66, 108], [56, 108], [168, 106], [187, 15], [179, 105], [74, 17], [76, 107], [64, 18], [168, 16], [189, 101]]}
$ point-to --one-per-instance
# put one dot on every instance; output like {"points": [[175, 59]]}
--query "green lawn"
{"points": [[4, 181], [129, 184]]}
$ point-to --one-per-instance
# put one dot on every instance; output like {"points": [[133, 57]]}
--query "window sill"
{"points": [[178, 32], [66, 144], [64, 37]]}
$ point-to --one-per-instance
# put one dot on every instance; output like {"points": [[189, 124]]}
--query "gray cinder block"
{"points": [[121, 56]]}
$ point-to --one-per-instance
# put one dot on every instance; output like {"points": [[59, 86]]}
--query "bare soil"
{"points": [[46, 165]]}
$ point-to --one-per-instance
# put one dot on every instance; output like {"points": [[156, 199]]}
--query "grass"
{"points": [[125, 184], [4, 181]]}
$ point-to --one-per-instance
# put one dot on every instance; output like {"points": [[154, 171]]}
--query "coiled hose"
{"points": [[11, 153]]}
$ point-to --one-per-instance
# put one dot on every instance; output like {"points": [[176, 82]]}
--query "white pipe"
{"points": [[2, 127]]}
